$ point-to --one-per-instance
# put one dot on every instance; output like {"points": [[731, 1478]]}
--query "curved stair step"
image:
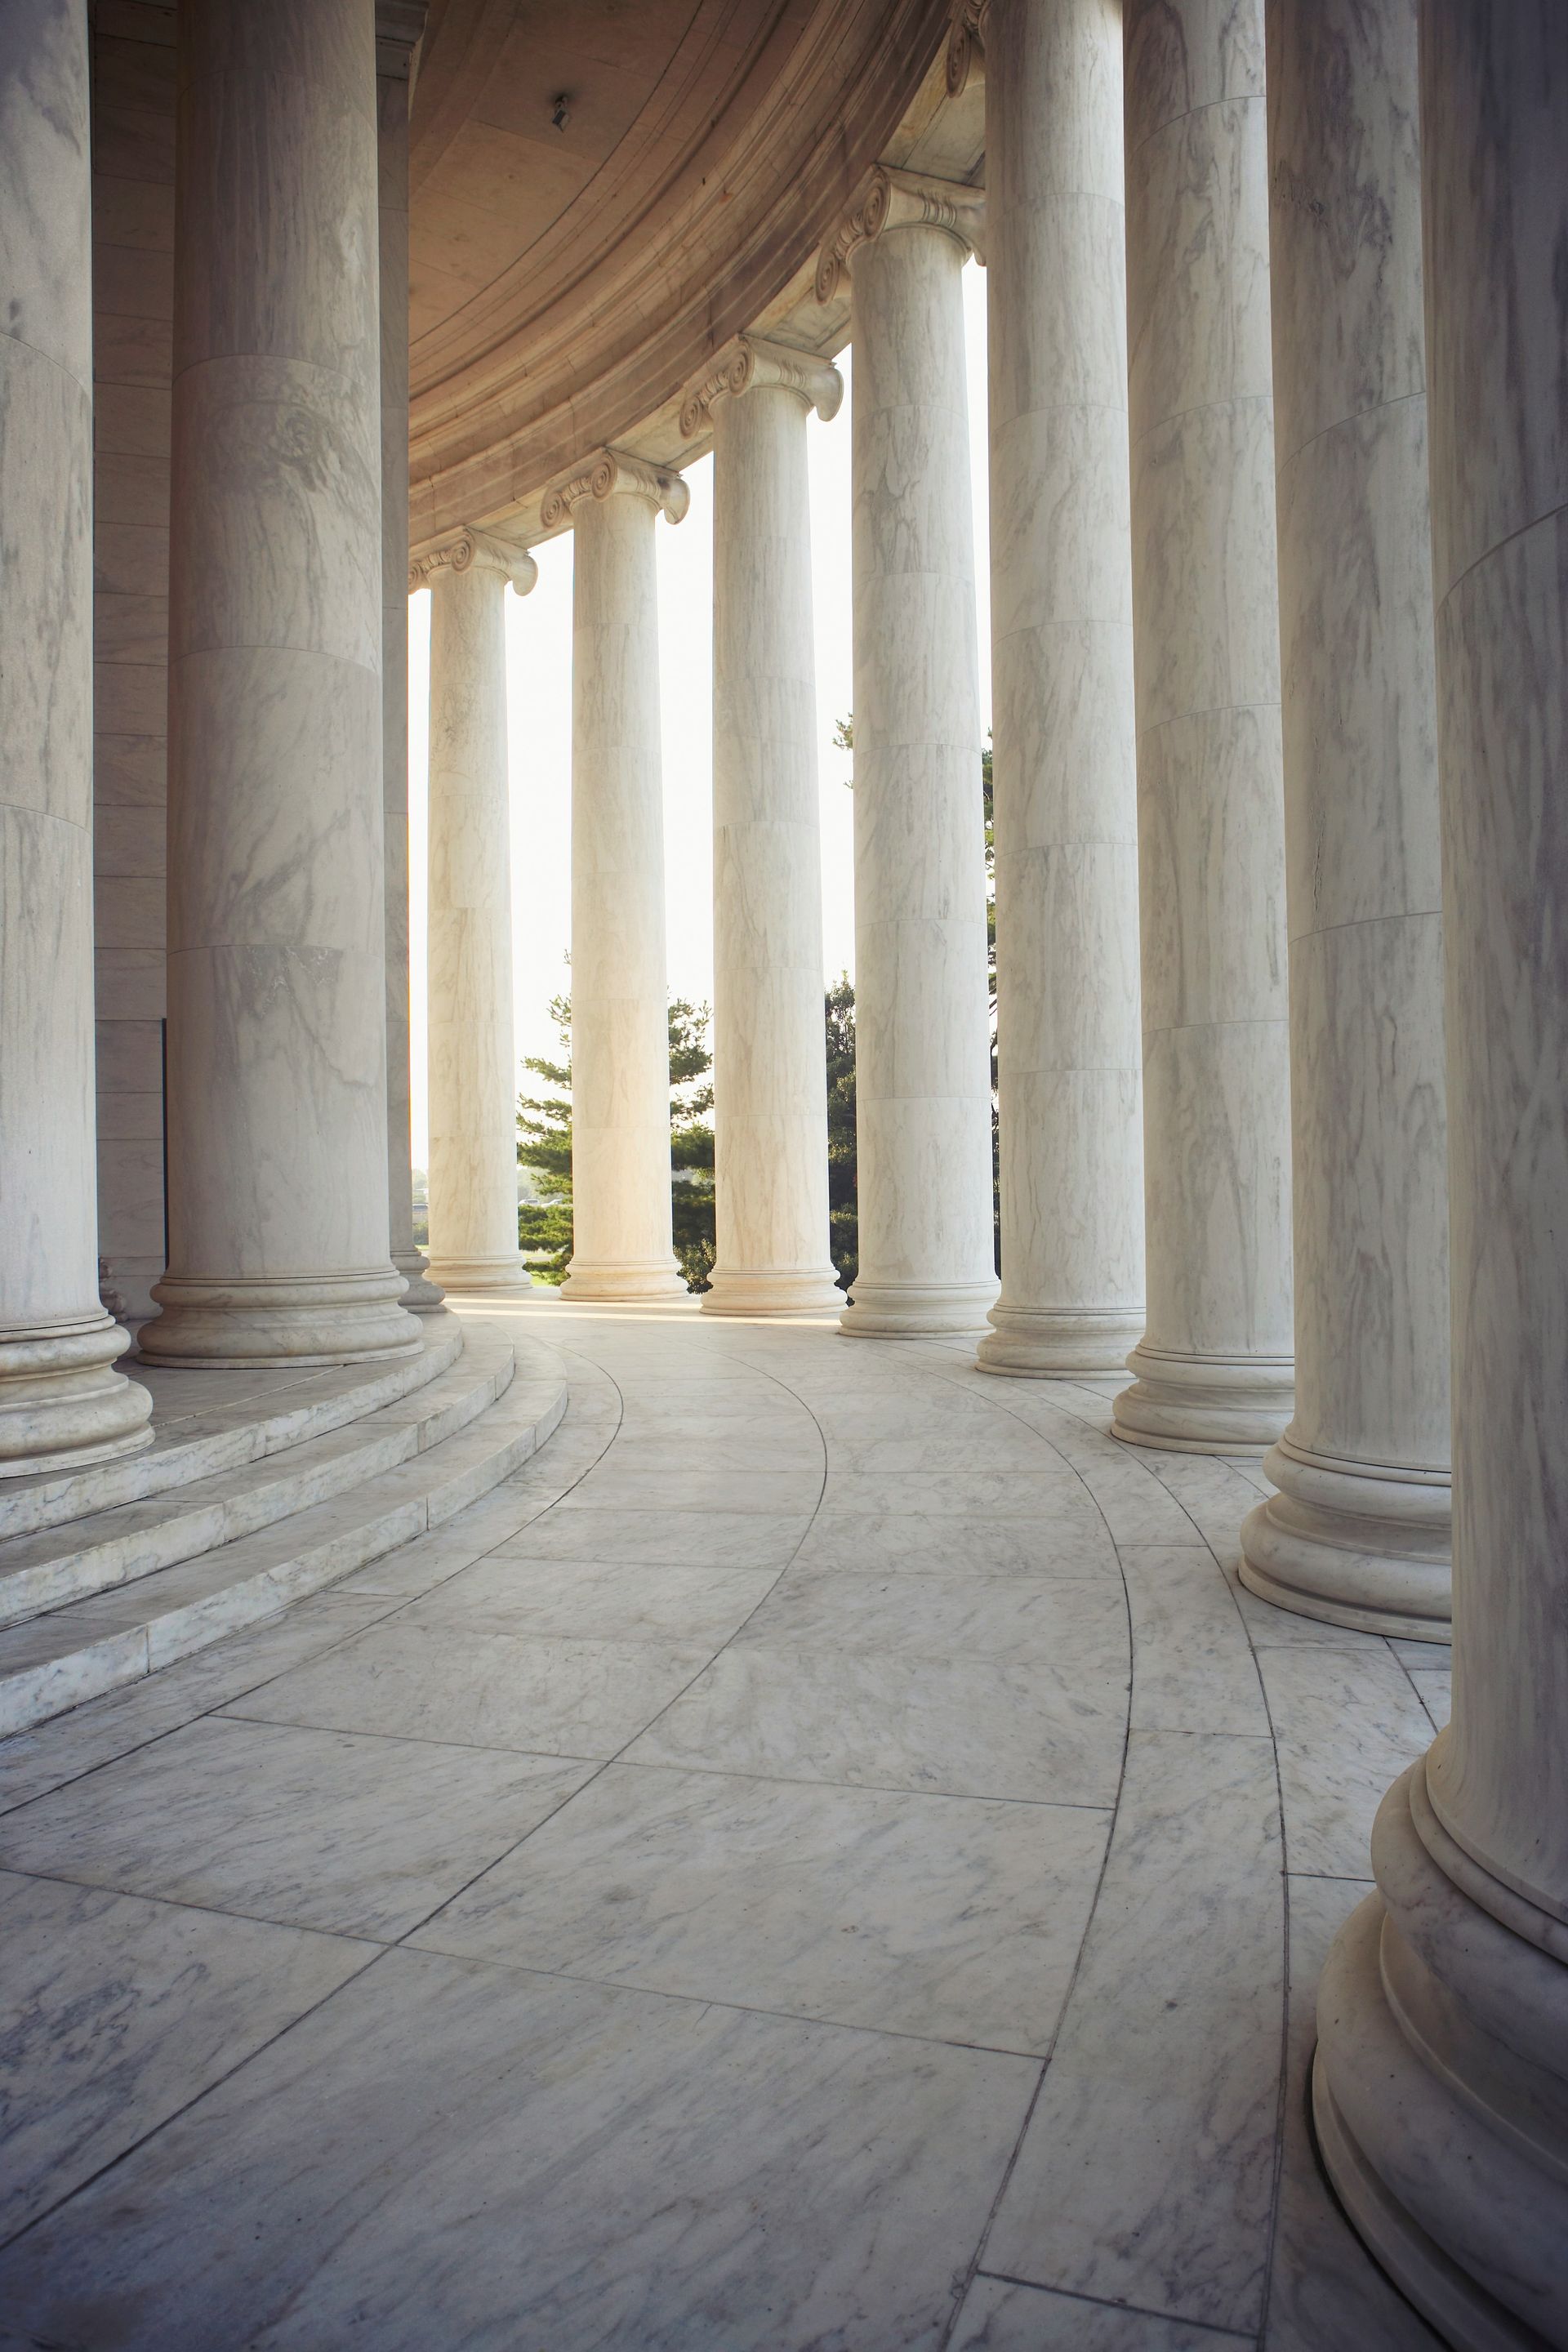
{"points": [[76, 1653], [209, 1422], [59, 1565]]}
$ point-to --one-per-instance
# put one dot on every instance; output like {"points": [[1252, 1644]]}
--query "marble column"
{"points": [[61, 1401], [770, 1090], [1213, 1371], [276, 1070], [620, 990], [397, 30], [472, 1053], [921, 1010], [1358, 1533], [1068, 1049], [1441, 2090]]}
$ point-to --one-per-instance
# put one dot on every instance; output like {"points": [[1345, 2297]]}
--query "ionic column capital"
{"points": [[901, 200], [966, 44], [611, 472], [399, 30], [747, 362], [467, 550]]}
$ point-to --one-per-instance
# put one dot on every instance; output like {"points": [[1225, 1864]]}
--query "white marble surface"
{"points": [[1449, 1989], [473, 1070], [277, 1048], [392, 96], [736, 2046], [1360, 1529], [1068, 1049], [1213, 1369], [769, 1092], [60, 1399], [620, 1033], [922, 1045]]}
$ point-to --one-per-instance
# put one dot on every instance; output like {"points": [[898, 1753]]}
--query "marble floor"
{"points": [[825, 1859]]}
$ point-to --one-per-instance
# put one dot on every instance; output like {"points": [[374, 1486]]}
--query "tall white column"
{"points": [[1069, 1050], [472, 1055], [770, 1084], [1359, 1531], [1442, 2076], [397, 30], [1213, 1372], [276, 1083], [922, 1058], [61, 1401], [620, 989]]}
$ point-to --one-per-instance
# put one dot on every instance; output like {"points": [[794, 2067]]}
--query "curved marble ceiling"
{"points": [[566, 283]]}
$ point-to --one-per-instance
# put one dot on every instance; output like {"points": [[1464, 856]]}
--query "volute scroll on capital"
{"points": [[749, 361], [901, 200], [469, 549], [609, 472], [966, 44]]}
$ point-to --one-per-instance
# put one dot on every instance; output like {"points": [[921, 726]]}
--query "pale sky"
{"points": [[539, 704]]}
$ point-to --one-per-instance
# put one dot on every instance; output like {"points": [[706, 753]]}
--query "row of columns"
{"points": [[1345, 732]]}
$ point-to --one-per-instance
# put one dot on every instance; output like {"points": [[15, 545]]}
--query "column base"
{"points": [[1026, 1344], [1353, 1545], [913, 1310], [505, 1272], [62, 1404], [420, 1296], [1439, 2090], [772, 1290], [653, 1277], [1204, 1404], [247, 1323]]}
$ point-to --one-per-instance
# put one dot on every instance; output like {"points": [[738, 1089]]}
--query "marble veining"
{"points": [[748, 1873]]}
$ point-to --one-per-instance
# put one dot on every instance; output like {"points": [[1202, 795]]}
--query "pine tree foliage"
{"points": [[544, 1147], [843, 1223]]}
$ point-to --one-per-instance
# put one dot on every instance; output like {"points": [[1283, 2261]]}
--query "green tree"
{"points": [[843, 1222], [544, 1147]]}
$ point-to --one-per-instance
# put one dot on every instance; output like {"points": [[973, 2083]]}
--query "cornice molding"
{"points": [[901, 200], [607, 474], [966, 44], [751, 360], [469, 549]]}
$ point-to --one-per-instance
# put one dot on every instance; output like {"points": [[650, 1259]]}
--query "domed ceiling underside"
{"points": [[567, 282]]}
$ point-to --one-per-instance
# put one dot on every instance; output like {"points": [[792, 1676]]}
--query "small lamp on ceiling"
{"points": [[560, 113]]}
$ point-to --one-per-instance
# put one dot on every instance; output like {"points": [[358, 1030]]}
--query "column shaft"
{"points": [[473, 1057], [922, 1019], [620, 1006], [391, 110], [1067, 1045], [61, 1403], [276, 1085], [1359, 1532], [1212, 1374], [768, 1065], [1442, 2076]]}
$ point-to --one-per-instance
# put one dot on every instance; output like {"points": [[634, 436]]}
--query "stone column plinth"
{"points": [[922, 1060], [399, 29], [472, 1054], [770, 1088], [1359, 1532], [620, 990], [277, 1072], [61, 1401], [1068, 1050], [1213, 1372], [1441, 2089]]}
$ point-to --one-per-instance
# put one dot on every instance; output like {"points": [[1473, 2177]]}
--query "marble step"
{"points": [[59, 1565], [210, 1421], [74, 1653]]}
